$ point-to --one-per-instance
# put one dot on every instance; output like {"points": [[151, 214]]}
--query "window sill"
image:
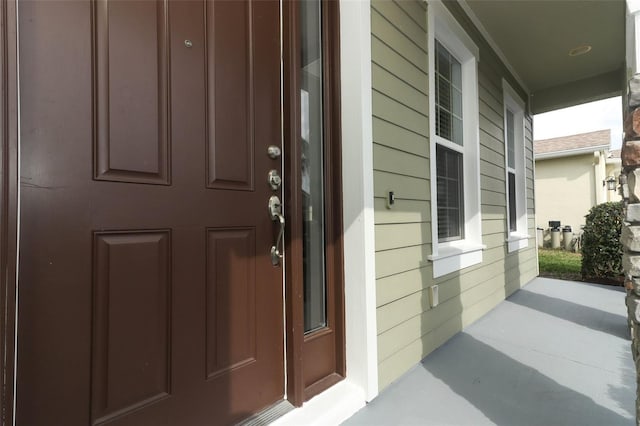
{"points": [[517, 241], [455, 256]]}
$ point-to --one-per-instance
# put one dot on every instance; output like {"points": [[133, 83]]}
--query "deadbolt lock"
{"points": [[274, 151], [274, 179]]}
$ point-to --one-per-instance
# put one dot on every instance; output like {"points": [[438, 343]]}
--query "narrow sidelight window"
{"points": [[312, 169], [314, 282]]}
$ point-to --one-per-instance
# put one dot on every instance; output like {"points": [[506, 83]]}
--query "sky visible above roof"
{"points": [[604, 114], [580, 141]]}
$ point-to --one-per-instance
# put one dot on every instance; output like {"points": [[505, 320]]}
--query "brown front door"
{"points": [[146, 290]]}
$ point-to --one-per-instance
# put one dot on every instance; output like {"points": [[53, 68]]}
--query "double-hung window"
{"points": [[511, 169], [515, 177], [454, 144], [449, 157]]}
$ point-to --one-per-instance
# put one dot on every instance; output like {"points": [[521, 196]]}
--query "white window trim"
{"points": [[452, 256], [518, 239]]}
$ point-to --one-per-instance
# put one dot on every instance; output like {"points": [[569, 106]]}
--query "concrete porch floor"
{"points": [[554, 353]]}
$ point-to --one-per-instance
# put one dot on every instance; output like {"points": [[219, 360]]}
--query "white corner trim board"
{"points": [[358, 213]]}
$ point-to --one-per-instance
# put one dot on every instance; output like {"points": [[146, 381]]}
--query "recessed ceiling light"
{"points": [[580, 50]]}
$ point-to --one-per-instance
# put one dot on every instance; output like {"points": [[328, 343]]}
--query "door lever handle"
{"points": [[276, 254], [275, 211]]}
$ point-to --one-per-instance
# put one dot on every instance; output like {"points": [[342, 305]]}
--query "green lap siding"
{"points": [[408, 329]]}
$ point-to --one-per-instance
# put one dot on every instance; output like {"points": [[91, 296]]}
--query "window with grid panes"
{"points": [[515, 170], [511, 172], [449, 161]]}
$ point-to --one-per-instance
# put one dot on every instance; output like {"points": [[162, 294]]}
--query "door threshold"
{"points": [[333, 406], [268, 415]]}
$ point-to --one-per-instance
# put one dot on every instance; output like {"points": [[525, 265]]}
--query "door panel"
{"points": [[131, 328], [231, 301], [132, 89], [230, 84], [147, 294]]}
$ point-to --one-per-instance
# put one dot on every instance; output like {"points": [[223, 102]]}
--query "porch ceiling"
{"points": [[536, 36]]}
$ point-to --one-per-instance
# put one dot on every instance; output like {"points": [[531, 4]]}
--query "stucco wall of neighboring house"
{"points": [[408, 329], [565, 190]]}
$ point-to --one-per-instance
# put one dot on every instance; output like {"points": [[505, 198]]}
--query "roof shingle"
{"points": [[569, 143]]}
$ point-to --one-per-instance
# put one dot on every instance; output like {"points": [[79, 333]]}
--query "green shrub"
{"points": [[601, 248]]}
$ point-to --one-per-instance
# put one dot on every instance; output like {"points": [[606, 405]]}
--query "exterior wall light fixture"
{"points": [[610, 182]]}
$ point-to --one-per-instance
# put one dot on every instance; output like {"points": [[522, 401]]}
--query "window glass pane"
{"points": [[448, 99], [457, 131], [456, 102], [443, 61], [312, 166], [513, 221], [443, 123], [511, 155], [444, 93], [456, 74], [449, 188]]}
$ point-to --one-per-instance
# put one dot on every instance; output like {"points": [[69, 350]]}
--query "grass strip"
{"points": [[560, 264]]}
